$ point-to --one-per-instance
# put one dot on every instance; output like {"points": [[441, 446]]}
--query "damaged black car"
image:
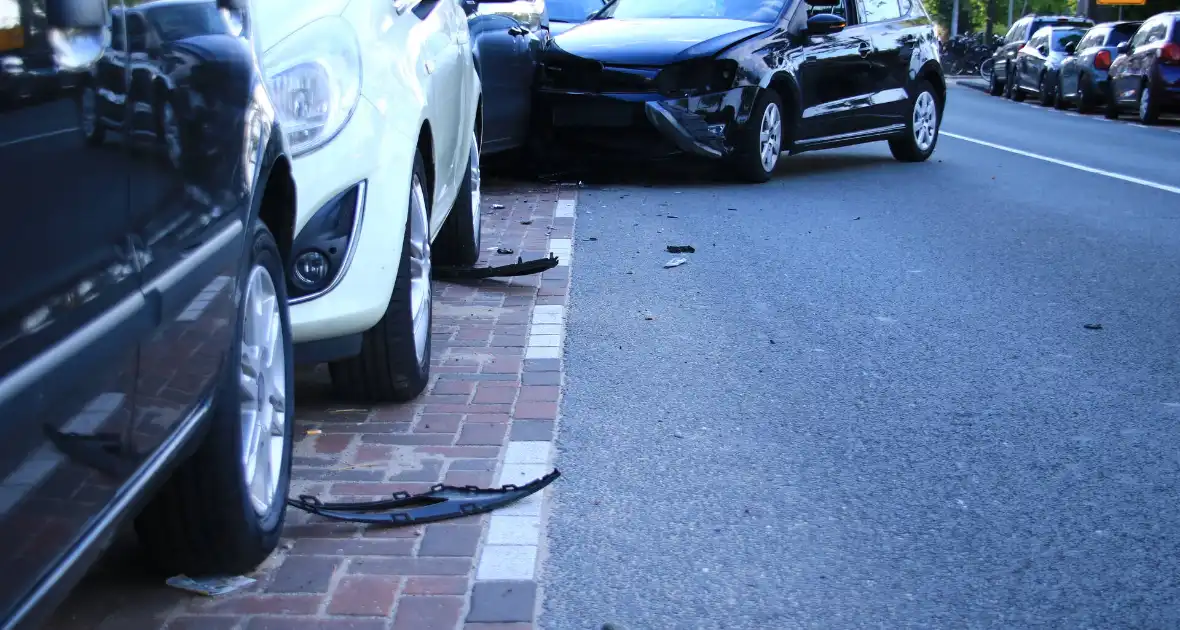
{"points": [[743, 81]]}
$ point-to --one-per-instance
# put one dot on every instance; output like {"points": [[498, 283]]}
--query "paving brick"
{"points": [[497, 626], [450, 540], [488, 418], [452, 387], [304, 574], [430, 472], [411, 566], [317, 623], [503, 601], [493, 394], [332, 444], [541, 378], [436, 586], [535, 411], [205, 623], [502, 366], [369, 453], [370, 595], [428, 613], [461, 451], [468, 409], [482, 434], [262, 605], [438, 423], [539, 393], [532, 430], [346, 547], [482, 479], [474, 464]]}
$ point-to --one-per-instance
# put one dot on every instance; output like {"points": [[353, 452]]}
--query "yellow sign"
{"points": [[12, 38], [1123, 3]]}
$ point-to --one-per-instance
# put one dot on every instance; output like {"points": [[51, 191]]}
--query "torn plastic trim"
{"points": [[519, 268], [441, 503]]}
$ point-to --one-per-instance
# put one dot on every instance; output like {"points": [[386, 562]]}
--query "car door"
{"points": [[1082, 56], [1142, 56], [1032, 60], [70, 317], [188, 217], [1013, 42], [833, 74], [893, 37], [440, 49], [1125, 78], [508, 38]]}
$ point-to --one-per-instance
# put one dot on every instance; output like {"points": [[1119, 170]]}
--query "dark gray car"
{"points": [[1082, 78]]}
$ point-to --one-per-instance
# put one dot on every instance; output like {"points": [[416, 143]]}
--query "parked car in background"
{"points": [[382, 107], [1004, 59], [145, 358], [1146, 75], [744, 82], [1083, 74], [566, 14], [507, 40], [1039, 61]]}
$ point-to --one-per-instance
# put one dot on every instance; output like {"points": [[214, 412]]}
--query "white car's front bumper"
{"points": [[363, 151]]}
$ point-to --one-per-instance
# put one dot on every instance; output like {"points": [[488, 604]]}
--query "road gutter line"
{"points": [[1080, 167], [39, 136]]}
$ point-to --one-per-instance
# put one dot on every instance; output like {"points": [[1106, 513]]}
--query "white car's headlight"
{"points": [[315, 81]]}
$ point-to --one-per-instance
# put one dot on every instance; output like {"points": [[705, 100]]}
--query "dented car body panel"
{"points": [[689, 85]]}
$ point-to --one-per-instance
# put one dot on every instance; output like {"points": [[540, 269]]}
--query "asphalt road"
{"points": [[870, 398]]}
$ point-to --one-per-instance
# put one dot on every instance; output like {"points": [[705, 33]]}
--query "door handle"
{"points": [[864, 49], [517, 31]]}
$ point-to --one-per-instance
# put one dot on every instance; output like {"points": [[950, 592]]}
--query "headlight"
{"points": [[696, 76], [315, 81]]}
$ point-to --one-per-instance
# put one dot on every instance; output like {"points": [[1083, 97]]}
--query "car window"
{"points": [[136, 33], [178, 21], [835, 7], [571, 10], [1157, 32], [1061, 39], [1141, 35], [1119, 35], [878, 10], [749, 10], [1092, 39], [1014, 34]]}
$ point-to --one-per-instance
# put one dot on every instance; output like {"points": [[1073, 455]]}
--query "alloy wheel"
{"points": [[476, 212], [770, 137], [89, 111], [419, 268], [925, 121], [1145, 103], [263, 390]]}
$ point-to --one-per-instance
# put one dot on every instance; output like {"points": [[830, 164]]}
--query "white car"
{"points": [[381, 104]]}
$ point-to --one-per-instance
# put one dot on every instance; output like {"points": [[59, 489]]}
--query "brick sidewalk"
{"points": [[487, 418]]}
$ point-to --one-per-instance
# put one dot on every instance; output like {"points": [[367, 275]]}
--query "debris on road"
{"points": [[681, 249], [675, 262], [733, 209], [671, 216], [314, 432], [527, 222], [520, 268], [1092, 326], [505, 250], [592, 238], [856, 219], [440, 503], [210, 586], [497, 206]]}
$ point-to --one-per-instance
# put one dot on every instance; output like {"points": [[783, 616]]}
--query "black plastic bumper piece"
{"points": [[519, 268], [324, 350], [439, 504]]}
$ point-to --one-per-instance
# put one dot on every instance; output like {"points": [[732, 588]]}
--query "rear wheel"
{"points": [[1044, 92], [394, 363], [1085, 96], [1112, 103], [994, 87], [222, 511], [458, 243], [921, 133], [1014, 91], [1149, 109], [760, 142]]}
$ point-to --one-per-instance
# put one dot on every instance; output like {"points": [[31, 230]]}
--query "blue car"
{"points": [[1082, 79]]}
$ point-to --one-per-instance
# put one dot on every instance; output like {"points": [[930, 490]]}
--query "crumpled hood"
{"points": [[276, 19], [654, 41]]}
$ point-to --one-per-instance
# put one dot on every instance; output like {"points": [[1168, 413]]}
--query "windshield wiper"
{"points": [[606, 4]]}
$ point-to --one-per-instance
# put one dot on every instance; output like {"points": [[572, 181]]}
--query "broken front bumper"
{"points": [[702, 125]]}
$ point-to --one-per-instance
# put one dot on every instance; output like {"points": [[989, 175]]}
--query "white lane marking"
{"points": [[48, 134], [1073, 165]]}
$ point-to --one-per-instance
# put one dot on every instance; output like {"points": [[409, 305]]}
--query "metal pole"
{"points": [[955, 20], [1120, 13], [1011, 8]]}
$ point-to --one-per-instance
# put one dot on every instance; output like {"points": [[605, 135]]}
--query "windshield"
{"points": [[178, 21], [1039, 24], [749, 10], [1062, 38], [1119, 35], [571, 10]]}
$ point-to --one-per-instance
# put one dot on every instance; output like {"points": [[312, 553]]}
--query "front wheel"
{"points": [[1044, 93], [458, 242], [760, 142], [1085, 96], [921, 133], [394, 363], [1014, 91], [222, 511], [1149, 109], [1112, 103], [994, 87]]}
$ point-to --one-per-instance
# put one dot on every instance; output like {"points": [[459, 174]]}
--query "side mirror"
{"points": [[81, 14], [825, 24], [1044, 50], [1123, 48], [1071, 47]]}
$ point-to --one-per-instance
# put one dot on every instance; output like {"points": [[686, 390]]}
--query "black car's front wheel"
{"points": [[91, 123], [760, 142], [1149, 108], [1085, 96], [222, 511], [921, 134], [1044, 90], [994, 87]]}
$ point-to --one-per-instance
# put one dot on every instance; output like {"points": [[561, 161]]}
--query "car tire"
{"points": [[1044, 95], [1015, 93], [206, 520], [1085, 96], [1112, 104], [994, 87], [93, 129], [394, 363], [759, 144], [1148, 106], [922, 125], [458, 242]]}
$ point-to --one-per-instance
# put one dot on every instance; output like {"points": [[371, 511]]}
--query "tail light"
{"points": [[1170, 54], [1102, 60]]}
